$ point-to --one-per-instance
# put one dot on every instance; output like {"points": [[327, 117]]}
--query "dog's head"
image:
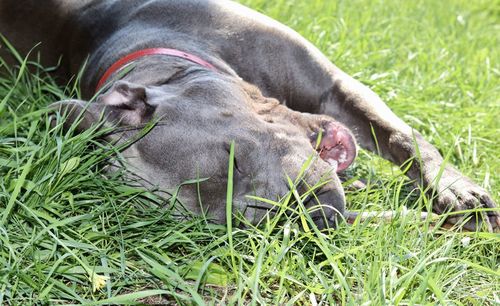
{"points": [[196, 118]]}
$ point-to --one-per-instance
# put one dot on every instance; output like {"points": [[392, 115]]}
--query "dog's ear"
{"points": [[79, 112], [124, 104], [127, 104]]}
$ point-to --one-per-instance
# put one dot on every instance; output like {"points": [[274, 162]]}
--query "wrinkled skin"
{"points": [[201, 111]]}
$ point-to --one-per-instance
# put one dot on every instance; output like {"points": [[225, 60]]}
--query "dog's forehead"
{"points": [[210, 100]]}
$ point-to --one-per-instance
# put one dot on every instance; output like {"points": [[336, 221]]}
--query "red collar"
{"points": [[119, 64]]}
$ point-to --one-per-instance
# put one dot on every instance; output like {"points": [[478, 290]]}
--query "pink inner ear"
{"points": [[126, 95], [115, 97], [337, 147]]}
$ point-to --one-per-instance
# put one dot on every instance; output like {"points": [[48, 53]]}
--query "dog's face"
{"points": [[197, 118]]}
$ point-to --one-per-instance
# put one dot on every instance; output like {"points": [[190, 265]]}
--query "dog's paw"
{"points": [[455, 193]]}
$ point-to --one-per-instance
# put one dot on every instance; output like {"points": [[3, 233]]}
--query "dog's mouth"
{"points": [[337, 146]]}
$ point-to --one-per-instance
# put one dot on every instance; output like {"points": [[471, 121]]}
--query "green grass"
{"points": [[65, 226]]}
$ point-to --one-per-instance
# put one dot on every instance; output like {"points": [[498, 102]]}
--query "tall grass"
{"points": [[70, 234]]}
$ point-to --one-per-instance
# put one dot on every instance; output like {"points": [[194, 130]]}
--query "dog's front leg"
{"points": [[379, 130]]}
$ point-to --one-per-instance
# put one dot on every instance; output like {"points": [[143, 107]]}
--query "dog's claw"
{"points": [[459, 193]]}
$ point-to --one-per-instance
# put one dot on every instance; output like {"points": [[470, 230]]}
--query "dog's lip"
{"points": [[337, 146]]}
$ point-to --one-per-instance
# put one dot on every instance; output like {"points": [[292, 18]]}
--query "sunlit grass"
{"points": [[70, 234]]}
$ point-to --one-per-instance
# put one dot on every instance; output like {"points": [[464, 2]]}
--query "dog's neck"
{"points": [[129, 59], [160, 69]]}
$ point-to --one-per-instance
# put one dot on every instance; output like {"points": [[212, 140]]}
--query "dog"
{"points": [[208, 72]]}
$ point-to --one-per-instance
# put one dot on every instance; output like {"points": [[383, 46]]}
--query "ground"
{"points": [[71, 235]]}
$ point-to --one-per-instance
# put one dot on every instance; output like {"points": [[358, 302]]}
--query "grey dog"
{"points": [[210, 72]]}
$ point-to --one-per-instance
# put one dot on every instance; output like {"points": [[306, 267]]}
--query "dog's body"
{"points": [[271, 140]]}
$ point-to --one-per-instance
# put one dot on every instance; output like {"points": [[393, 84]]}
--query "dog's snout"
{"points": [[326, 205]]}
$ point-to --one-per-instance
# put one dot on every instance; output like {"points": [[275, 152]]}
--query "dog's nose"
{"points": [[327, 205]]}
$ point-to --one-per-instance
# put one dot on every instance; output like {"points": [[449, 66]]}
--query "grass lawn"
{"points": [[69, 234]]}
